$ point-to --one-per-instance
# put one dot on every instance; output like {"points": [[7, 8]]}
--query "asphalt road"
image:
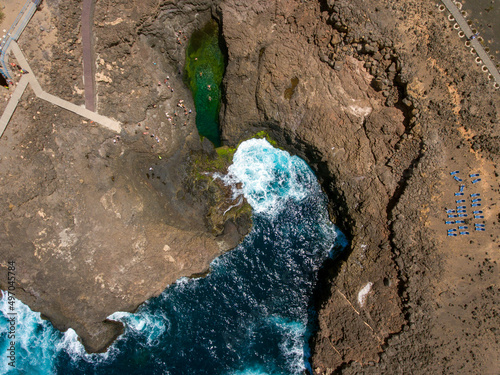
{"points": [[456, 13]]}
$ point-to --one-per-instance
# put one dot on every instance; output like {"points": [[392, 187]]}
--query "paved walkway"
{"points": [[14, 100], [31, 79], [455, 12], [88, 57]]}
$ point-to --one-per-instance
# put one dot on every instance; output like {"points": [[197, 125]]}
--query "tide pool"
{"points": [[251, 315], [203, 74]]}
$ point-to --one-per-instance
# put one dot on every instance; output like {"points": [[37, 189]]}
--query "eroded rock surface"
{"points": [[98, 222], [381, 99], [339, 123]]}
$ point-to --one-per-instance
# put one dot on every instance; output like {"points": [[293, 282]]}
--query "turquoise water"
{"points": [[203, 74], [251, 315]]}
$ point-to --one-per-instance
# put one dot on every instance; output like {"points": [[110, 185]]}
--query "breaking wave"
{"points": [[270, 177]]}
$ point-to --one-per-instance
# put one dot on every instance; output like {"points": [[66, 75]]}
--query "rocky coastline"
{"points": [[380, 98]]}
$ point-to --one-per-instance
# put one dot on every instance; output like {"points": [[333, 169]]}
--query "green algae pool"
{"points": [[203, 73]]}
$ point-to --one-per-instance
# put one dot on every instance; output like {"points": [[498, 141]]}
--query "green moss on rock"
{"points": [[265, 135], [203, 73], [222, 206]]}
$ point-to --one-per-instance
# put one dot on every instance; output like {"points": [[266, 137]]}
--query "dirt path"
{"points": [[88, 61]]}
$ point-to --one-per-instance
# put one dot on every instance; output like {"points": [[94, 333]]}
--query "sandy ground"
{"points": [[470, 260], [11, 9]]}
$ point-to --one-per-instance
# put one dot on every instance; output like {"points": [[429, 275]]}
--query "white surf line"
{"points": [[455, 12], [31, 79]]}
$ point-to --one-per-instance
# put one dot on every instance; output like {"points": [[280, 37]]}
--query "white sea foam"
{"points": [[182, 281], [38, 342], [144, 323], [293, 345], [34, 339], [71, 344], [251, 371], [269, 176]]}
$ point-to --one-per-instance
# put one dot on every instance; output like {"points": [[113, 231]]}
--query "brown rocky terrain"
{"points": [[382, 118], [96, 222], [380, 98]]}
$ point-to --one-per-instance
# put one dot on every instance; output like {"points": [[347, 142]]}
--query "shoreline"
{"points": [[377, 116]]}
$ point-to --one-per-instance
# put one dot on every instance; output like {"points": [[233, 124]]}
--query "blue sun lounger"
{"points": [[460, 201], [454, 173], [475, 195], [475, 205], [474, 175], [476, 180], [464, 233]]}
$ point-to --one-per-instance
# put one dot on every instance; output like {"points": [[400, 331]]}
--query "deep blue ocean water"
{"points": [[251, 315]]}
